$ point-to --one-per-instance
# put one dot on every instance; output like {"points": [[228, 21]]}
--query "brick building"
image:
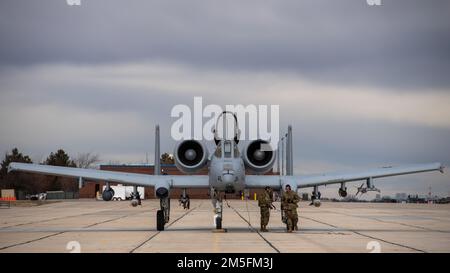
{"points": [[90, 189]]}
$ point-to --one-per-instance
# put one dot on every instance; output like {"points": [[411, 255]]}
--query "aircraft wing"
{"points": [[307, 181], [174, 181], [334, 178]]}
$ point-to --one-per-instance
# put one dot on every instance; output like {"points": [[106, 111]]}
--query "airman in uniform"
{"points": [[289, 205], [184, 201], [265, 205]]}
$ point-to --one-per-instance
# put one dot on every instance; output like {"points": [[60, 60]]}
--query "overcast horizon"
{"points": [[363, 86]]}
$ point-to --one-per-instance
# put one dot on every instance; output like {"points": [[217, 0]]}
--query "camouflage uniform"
{"points": [[265, 203], [289, 202]]}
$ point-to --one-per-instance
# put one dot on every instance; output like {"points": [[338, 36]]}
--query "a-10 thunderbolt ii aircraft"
{"points": [[228, 169]]}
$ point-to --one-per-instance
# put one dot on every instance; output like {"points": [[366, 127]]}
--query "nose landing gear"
{"points": [[218, 208]]}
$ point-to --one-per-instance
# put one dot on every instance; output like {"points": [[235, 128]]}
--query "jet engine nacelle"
{"points": [[108, 195], [190, 156], [256, 158]]}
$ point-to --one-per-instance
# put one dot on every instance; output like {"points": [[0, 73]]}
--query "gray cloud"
{"points": [[101, 107], [402, 44]]}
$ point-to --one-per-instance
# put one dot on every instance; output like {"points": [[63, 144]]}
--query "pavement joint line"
{"points": [[370, 217], [81, 229], [120, 217], [61, 232], [364, 235], [31, 241], [389, 222], [158, 232], [255, 230], [371, 237], [393, 222], [57, 218]]}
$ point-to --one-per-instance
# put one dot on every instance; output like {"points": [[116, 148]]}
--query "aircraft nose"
{"points": [[228, 178]]}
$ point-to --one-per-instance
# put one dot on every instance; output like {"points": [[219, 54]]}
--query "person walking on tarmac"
{"points": [[289, 205], [265, 205]]}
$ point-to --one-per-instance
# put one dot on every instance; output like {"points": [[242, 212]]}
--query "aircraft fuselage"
{"points": [[227, 174]]}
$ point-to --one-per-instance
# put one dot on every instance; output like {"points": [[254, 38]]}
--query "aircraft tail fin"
{"points": [[289, 153], [157, 153]]}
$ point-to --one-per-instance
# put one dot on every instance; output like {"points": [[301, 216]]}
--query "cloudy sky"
{"points": [[362, 86]]}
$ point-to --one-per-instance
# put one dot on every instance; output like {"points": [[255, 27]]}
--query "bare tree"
{"points": [[86, 160]]}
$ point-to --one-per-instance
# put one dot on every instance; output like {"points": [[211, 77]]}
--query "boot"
{"points": [[289, 228], [265, 229], [262, 228]]}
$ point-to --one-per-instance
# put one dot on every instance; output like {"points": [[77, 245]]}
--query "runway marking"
{"points": [[168, 225], [255, 230], [364, 235], [61, 232]]}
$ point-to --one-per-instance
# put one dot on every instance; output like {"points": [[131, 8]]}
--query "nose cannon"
{"points": [[228, 177]]}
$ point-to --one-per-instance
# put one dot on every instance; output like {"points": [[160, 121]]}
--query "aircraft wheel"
{"points": [[317, 203], [218, 223], [160, 220]]}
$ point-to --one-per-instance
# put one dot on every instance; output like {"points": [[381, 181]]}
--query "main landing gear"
{"points": [[162, 215], [135, 197], [315, 197]]}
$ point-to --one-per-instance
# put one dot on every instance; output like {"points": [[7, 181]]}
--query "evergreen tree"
{"points": [[62, 159], [15, 156], [15, 181]]}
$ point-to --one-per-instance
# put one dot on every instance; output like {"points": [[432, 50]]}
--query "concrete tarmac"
{"points": [[115, 226]]}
